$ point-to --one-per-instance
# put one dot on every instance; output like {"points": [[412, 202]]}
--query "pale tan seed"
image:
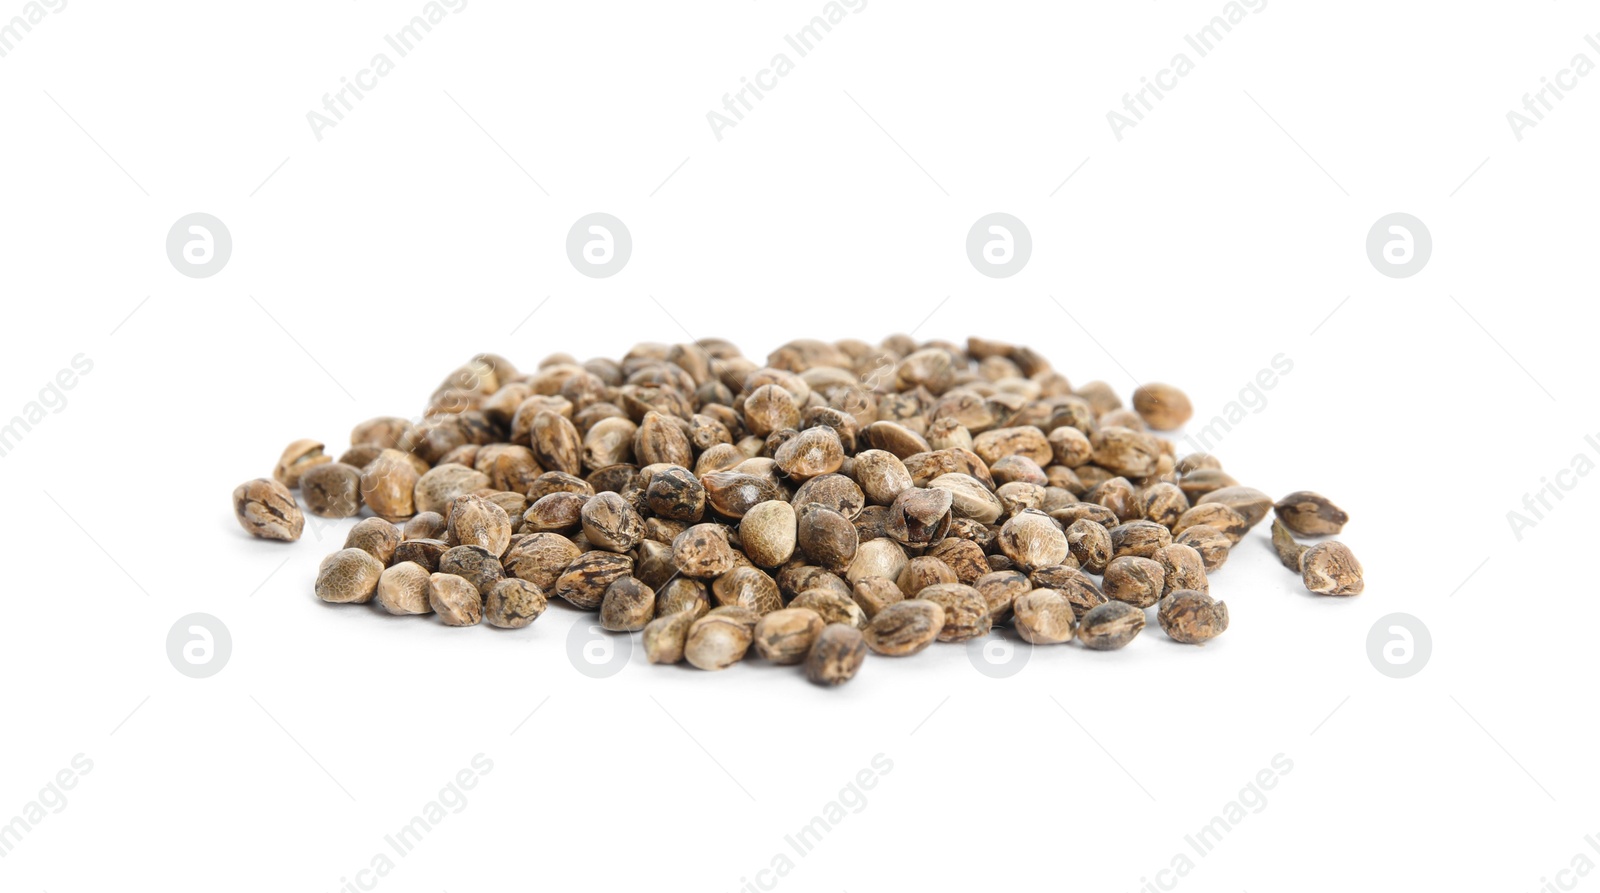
{"points": [[266, 509], [1044, 617], [664, 637], [298, 458], [403, 589], [348, 576], [717, 641], [455, 600]]}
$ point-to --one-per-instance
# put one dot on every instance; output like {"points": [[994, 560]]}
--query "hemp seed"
{"points": [[836, 655]]}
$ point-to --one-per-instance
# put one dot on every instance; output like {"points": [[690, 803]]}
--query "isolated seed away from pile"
{"points": [[838, 499]]}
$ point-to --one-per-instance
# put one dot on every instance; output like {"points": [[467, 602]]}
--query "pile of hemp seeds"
{"points": [[838, 498]]}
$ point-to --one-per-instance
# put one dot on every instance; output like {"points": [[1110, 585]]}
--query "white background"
{"points": [[1215, 235]]}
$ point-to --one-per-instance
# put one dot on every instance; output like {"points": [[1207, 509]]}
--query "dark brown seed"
{"points": [[266, 509], [1330, 568], [827, 538], [1213, 545], [1138, 581], [455, 600], [1182, 568], [966, 614], [919, 516], [1310, 514], [474, 564], [836, 655], [348, 576], [904, 628], [1110, 626], [610, 523], [703, 551], [1090, 545], [733, 493], [747, 587], [786, 636], [513, 604], [1139, 538], [627, 605], [425, 552], [586, 579], [1192, 618], [1163, 503], [1044, 617], [676, 493], [375, 536]]}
